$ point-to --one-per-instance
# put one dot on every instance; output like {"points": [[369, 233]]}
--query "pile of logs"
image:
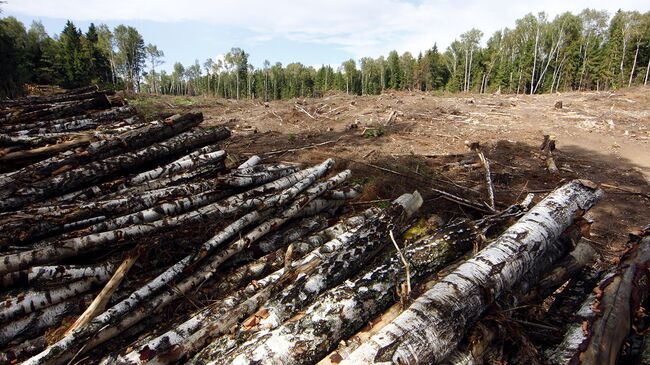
{"points": [[125, 242]]}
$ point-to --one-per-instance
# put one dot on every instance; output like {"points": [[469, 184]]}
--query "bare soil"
{"points": [[601, 136]]}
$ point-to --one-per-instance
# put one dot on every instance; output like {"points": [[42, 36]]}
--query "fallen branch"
{"points": [[99, 303], [276, 152], [488, 178], [298, 107]]}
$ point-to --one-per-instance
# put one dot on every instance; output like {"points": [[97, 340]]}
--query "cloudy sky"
{"points": [[311, 32]]}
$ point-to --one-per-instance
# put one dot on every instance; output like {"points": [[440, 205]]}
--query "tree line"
{"points": [[112, 58], [585, 51]]}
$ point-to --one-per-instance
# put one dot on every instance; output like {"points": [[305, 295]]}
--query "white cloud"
{"points": [[361, 27]]}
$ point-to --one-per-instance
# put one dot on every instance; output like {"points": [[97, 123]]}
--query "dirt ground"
{"points": [[398, 142]]}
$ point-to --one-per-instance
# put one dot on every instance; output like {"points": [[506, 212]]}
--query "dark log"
{"points": [[582, 256], [20, 143], [76, 94], [604, 320], [22, 351], [57, 110], [480, 342], [117, 189], [40, 152], [113, 116]]}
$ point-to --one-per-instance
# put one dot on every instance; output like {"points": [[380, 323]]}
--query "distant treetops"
{"points": [[587, 51]]}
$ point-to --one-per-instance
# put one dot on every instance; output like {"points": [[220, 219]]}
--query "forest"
{"points": [[592, 50]]}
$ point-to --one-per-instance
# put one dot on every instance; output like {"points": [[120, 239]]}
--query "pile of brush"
{"points": [[145, 243]]}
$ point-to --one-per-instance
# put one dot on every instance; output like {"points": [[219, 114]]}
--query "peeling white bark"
{"points": [[434, 324]]}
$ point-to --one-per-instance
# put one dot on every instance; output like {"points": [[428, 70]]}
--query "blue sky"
{"points": [[311, 32]]}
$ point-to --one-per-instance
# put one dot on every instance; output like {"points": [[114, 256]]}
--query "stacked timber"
{"points": [[142, 243]]}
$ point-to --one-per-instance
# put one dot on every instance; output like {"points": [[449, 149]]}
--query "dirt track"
{"points": [[604, 137]]}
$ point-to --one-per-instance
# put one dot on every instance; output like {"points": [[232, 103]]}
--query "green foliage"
{"points": [[374, 132], [11, 79], [582, 51], [360, 180], [383, 204], [32, 56]]}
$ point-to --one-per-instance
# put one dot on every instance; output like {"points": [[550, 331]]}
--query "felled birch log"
{"points": [[255, 175], [78, 122], [183, 163], [31, 301], [115, 314], [365, 244], [320, 272], [40, 152], [96, 171], [175, 207], [23, 350], [276, 260], [47, 276], [343, 310], [127, 141], [604, 320], [157, 212], [37, 322], [104, 121], [116, 189], [58, 109], [252, 161], [191, 335], [321, 205], [351, 192], [240, 203], [583, 255], [85, 93], [279, 239], [31, 224], [22, 145], [434, 324]]}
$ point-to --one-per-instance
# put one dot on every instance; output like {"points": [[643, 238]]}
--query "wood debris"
{"points": [[133, 242]]}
